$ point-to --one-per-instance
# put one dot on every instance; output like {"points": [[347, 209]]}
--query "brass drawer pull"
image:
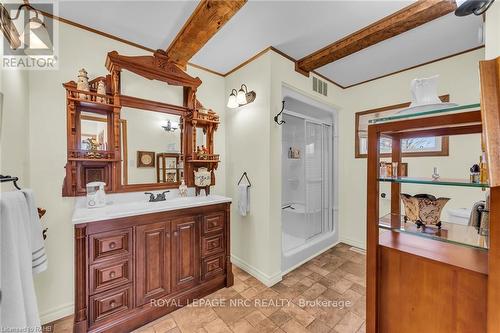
{"points": [[112, 304], [112, 274], [112, 245]]}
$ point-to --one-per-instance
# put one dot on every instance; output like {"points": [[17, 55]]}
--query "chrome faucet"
{"points": [[159, 196]]}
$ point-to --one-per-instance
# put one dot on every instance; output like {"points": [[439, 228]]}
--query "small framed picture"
{"points": [[145, 159]]}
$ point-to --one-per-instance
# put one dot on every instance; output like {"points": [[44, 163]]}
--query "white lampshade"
{"points": [[241, 98], [232, 103], [38, 42]]}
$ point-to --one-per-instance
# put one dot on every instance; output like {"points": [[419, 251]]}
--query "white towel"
{"points": [[20, 230], [38, 256], [244, 199]]}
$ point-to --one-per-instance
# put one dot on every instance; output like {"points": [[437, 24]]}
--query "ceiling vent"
{"points": [[320, 86]]}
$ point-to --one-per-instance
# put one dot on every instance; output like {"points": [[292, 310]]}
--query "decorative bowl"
{"points": [[423, 209]]}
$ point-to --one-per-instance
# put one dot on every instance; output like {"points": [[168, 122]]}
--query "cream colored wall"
{"points": [[47, 128], [459, 77], [247, 144], [14, 134], [492, 31]]}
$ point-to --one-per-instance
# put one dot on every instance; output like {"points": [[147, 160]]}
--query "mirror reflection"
{"points": [[151, 147], [93, 131], [201, 137]]}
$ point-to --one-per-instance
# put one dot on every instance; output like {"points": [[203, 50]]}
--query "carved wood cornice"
{"points": [[156, 67]]}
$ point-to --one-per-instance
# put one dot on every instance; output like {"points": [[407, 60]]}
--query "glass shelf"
{"points": [[430, 181], [449, 232], [427, 112]]}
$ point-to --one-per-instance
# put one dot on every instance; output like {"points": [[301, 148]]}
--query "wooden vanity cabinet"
{"points": [[130, 271], [152, 261]]}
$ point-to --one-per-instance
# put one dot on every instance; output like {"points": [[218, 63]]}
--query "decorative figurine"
{"points": [[83, 83], [101, 90], [202, 179], [423, 209], [202, 153], [183, 189], [93, 148]]}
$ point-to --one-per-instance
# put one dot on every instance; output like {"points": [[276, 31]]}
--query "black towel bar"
{"points": [[246, 176], [4, 179]]}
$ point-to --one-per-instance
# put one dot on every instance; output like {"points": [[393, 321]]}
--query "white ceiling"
{"points": [[153, 24], [297, 28], [442, 37]]}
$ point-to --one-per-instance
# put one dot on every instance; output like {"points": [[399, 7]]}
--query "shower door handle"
{"points": [[287, 206]]}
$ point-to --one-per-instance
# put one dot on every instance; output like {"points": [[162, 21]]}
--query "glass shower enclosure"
{"points": [[307, 214]]}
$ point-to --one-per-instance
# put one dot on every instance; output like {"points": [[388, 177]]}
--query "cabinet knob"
{"points": [[112, 304], [168, 234], [176, 233], [112, 274], [112, 245]]}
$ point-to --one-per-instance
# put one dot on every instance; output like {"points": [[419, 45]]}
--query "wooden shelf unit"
{"points": [[418, 284]]}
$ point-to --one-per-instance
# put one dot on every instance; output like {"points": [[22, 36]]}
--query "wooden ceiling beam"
{"points": [[408, 18], [208, 17]]}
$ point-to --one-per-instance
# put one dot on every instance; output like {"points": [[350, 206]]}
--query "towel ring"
{"points": [[246, 176]]}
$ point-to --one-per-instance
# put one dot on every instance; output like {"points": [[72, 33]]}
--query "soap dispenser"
{"points": [[183, 189], [96, 196]]}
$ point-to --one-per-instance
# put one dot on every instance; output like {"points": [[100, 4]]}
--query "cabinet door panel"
{"points": [[185, 250], [153, 261]]}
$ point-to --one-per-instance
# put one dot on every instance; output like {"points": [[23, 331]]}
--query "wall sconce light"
{"points": [[170, 126], [240, 97], [231, 102], [35, 35]]}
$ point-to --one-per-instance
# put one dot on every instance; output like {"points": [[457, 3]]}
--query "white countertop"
{"points": [[136, 203]]}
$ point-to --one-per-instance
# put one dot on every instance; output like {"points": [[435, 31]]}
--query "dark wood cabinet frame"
{"points": [[107, 165]]}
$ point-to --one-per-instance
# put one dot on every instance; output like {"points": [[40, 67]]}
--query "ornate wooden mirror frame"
{"points": [[84, 166]]}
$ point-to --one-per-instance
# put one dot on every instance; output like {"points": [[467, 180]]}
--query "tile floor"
{"points": [[308, 299]]}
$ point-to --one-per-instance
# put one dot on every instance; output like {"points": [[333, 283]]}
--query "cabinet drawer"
{"points": [[213, 223], [211, 245], [212, 266], [110, 303], [110, 244], [107, 275]]}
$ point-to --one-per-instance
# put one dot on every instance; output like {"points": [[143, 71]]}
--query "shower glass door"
{"points": [[306, 189], [314, 179]]}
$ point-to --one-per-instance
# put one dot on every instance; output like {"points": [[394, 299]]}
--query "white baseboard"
{"points": [[56, 313], [311, 257], [268, 280], [352, 242]]}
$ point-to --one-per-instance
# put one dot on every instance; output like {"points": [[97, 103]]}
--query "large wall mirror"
{"points": [[151, 147]]}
